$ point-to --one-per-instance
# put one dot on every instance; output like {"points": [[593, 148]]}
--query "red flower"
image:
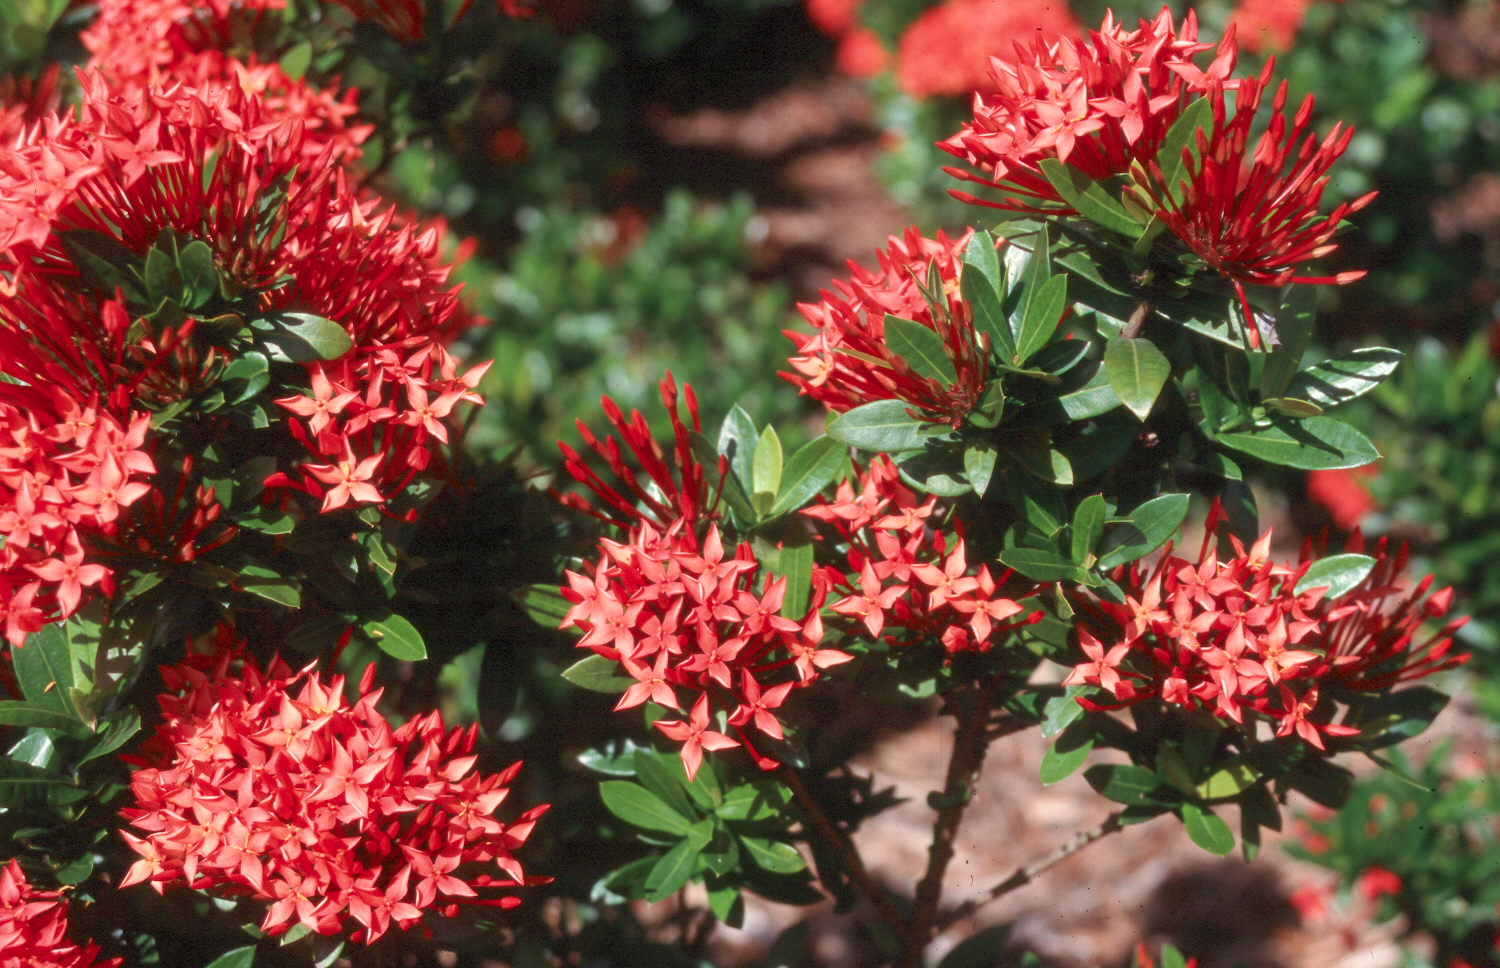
{"points": [[1237, 638], [846, 361], [1269, 24], [1100, 105], [34, 925], [679, 488], [947, 49], [1342, 495], [272, 785]]}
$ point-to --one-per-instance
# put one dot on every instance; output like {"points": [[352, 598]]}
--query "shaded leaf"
{"points": [[635, 804], [1207, 829], [1137, 371], [921, 348]]}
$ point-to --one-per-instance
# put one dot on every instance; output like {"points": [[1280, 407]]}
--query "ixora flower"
{"points": [[947, 49], [271, 785], [1240, 639], [1099, 105], [847, 360], [34, 927], [907, 580]]}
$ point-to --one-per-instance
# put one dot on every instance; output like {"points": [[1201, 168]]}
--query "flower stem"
{"points": [[1025, 875], [818, 823]]}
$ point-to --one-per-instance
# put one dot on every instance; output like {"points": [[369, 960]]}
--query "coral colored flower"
{"points": [[834, 17], [1237, 638], [1268, 25], [1100, 104], [947, 49], [846, 361], [684, 616], [906, 582], [271, 785], [1377, 882], [675, 488], [34, 925], [1342, 495], [861, 53], [26, 100]]}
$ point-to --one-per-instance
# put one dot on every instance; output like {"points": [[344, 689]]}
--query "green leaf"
{"points": [[1040, 565], [766, 472], [979, 465], [199, 275], [1064, 756], [1061, 711], [303, 337], [1040, 317], [1122, 783], [24, 784], [1229, 780], [671, 872], [813, 467], [1398, 716], [395, 636], [104, 263], [727, 904], [247, 375], [1183, 134], [44, 669], [752, 801], [1137, 371], [1207, 829], [884, 426], [737, 439], [1294, 327], [773, 855], [238, 958], [1147, 528], [623, 884], [635, 804], [795, 564], [921, 348], [544, 604], [263, 582], [123, 725], [1345, 377], [1292, 407], [980, 950], [663, 775], [18, 713], [981, 254], [597, 674], [1339, 573], [1088, 198], [1317, 443], [989, 315], [296, 61], [1088, 527]]}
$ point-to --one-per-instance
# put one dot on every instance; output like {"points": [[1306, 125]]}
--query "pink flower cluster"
{"points": [[682, 617], [907, 579], [34, 927], [1236, 637], [846, 361], [273, 786], [374, 418]]}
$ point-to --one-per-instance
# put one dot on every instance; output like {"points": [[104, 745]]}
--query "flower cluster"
{"points": [[271, 785], [1238, 637], [34, 926], [1098, 104], [26, 100], [846, 362], [1269, 25], [860, 52], [681, 617], [907, 580], [679, 488], [947, 49], [375, 416]]}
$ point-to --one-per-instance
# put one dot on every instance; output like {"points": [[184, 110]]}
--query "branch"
{"points": [[1025, 875], [971, 741], [843, 848]]}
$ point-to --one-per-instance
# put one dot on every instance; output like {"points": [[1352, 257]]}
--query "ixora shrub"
{"points": [[228, 398], [1033, 405]]}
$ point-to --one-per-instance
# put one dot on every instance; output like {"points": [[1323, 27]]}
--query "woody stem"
{"points": [[971, 709], [817, 823]]}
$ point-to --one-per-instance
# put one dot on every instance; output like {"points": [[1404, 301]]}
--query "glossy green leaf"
{"points": [[885, 426], [982, 255], [1147, 528], [1295, 323], [1317, 443], [766, 471], [813, 467], [19, 713], [1065, 756], [989, 314], [1040, 317], [656, 772], [1088, 198], [295, 337], [121, 729], [265, 583], [1229, 780], [1345, 377], [544, 603], [795, 564], [1183, 134], [296, 61], [44, 669], [752, 801], [1122, 783], [597, 674], [199, 275], [773, 855], [396, 637], [24, 784], [980, 457], [1137, 371], [727, 904], [1207, 829], [1061, 711], [921, 348], [1040, 565], [672, 872], [635, 804], [1088, 526], [238, 958], [1338, 573], [737, 438]]}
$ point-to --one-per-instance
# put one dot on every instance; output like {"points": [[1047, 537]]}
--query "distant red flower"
{"points": [[846, 362], [861, 53], [1098, 104], [1377, 882], [1236, 637], [684, 489], [34, 925], [1342, 495], [1251, 213], [1269, 25], [947, 49], [834, 17], [271, 785]]}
